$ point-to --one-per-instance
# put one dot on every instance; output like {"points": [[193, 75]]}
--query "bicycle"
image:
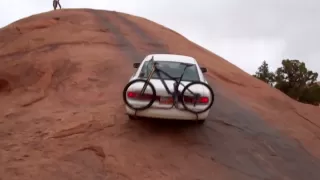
{"points": [[177, 96]]}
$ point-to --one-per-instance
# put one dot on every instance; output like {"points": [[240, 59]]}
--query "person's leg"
{"points": [[59, 5], [54, 5]]}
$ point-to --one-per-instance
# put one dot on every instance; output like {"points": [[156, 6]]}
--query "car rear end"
{"points": [[163, 105]]}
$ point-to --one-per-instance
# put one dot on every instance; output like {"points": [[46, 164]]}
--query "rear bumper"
{"points": [[167, 114]]}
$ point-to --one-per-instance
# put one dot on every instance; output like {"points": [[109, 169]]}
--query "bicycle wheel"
{"points": [[204, 101], [133, 99]]}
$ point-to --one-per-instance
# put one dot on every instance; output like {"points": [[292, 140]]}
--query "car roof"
{"points": [[171, 57]]}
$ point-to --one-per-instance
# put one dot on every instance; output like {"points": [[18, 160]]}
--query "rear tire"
{"points": [[195, 83], [124, 95]]}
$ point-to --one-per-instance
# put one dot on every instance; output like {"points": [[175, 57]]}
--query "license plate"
{"points": [[166, 100]]}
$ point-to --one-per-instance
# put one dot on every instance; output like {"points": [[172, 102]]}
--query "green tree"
{"points": [[264, 74], [311, 95], [293, 79]]}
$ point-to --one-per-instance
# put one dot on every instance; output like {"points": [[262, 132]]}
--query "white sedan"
{"points": [[162, 106]]}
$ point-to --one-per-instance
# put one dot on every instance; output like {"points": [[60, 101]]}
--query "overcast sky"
{"points": [[245, 32]]}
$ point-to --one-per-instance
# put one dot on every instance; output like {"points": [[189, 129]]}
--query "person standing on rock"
{"points": [[56, 3]]}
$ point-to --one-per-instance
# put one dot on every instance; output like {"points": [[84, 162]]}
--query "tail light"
{"points": [[201, 100], [137, 96], [204, 100]]}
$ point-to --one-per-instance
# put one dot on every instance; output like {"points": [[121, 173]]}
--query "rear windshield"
{"points": [[174, 69]]}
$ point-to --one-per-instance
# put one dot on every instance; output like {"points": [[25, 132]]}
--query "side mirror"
{"points": [[136, 65], [203, 69]]}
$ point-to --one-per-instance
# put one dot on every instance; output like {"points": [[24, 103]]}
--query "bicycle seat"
{"points": [[176, 78]]}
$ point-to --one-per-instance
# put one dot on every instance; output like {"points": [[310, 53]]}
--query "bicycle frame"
{"points": [[175, 92]]}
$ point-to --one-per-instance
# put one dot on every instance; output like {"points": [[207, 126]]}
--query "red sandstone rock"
{"points": [[62, 116]]}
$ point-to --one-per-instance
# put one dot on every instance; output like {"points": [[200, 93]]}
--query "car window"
{"points": [[174, 69]]}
